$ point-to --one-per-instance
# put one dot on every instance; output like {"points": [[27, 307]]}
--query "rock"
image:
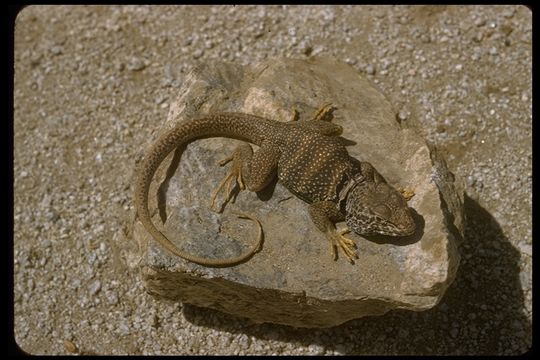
{"points": [[293, 280]]}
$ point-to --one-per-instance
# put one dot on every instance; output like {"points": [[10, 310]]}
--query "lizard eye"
{"points": [[382, 211]]}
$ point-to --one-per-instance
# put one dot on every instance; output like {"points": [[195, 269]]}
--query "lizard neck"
{"points": [[345, 187]]}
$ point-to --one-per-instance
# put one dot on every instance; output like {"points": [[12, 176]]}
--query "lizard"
{"points": [[309, 160]]}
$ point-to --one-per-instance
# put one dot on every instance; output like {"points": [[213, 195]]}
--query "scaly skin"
{"points": [[308, 159]]}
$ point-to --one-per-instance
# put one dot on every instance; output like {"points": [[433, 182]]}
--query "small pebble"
{"points": [[509, 12], [316, 349], [94, 287], [370, 69], [56, 50], [153, 320], [112, 298], [91, 258], [53, 216], [403, 115], [35, 60], [123, 328], [480, 22], [478, 37], [136, 64], [385, 64], [30, 284], [188, 41], [525, 248], [197, 54], [161, 99], [70, 347], [292, 31]]}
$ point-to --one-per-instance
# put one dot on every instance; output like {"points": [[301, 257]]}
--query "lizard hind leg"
{"points": [[234, 175], [252, 171]]}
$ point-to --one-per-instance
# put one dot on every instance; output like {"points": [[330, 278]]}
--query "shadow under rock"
{"points": [[472, 317]]}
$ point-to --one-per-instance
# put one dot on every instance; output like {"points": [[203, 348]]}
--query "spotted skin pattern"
{"points": [[309, 160]]}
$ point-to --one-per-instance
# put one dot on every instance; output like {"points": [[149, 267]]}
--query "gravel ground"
{"points": [[93, 84]]}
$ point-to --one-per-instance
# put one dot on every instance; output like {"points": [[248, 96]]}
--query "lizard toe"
{"points": [[347, 246]]}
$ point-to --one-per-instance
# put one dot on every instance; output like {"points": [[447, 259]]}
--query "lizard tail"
{"points": [[244, 127]]}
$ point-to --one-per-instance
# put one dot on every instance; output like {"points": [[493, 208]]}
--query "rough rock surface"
{"points": [[293, 279]]}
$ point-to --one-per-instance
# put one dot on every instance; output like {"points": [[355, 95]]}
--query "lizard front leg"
{"points": [[249, 170], [325, 113], [324, 215], [321, 122]]}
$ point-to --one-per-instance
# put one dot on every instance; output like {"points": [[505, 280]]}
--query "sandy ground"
{"points": [[93, 84]]}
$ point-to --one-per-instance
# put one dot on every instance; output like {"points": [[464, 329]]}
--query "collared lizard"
{"points": [[308, 158]]}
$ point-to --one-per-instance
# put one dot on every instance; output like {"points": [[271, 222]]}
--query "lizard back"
{"points": [[314, 166]]}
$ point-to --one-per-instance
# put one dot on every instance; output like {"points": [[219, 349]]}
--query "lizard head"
{"points": [[377, 208]]}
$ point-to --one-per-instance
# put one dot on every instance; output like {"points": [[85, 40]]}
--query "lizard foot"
{"points": [[347, 245], [406, 193], [325, 113], [233, 177]]}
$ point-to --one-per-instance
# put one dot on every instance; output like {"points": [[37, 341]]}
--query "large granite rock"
{"points": [[293, 280]]}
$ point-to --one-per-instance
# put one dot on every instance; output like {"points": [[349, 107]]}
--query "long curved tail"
{"points": [[250, 128]]}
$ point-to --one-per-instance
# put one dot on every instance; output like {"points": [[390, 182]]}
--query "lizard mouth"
{"points": [[407, 227], [406, 230]]}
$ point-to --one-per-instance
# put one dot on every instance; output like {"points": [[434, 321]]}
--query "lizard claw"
{"points": [[233, 177], [225, 161], [406, 193], [325, 112], [345, 244]]}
